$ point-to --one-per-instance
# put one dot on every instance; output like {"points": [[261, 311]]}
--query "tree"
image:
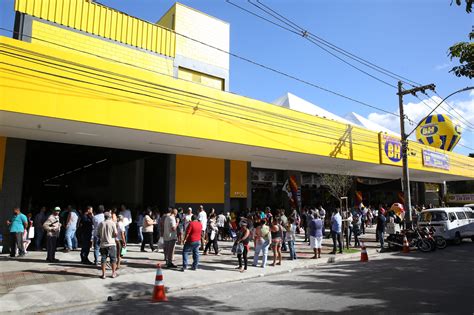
{"points": [[464, 51], [468, 4], [337, 184]]}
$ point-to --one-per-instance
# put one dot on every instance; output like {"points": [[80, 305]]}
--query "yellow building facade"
{"points": [[79, 73]]}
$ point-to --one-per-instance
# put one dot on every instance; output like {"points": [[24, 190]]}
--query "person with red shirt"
{"points": [[192, 242]]}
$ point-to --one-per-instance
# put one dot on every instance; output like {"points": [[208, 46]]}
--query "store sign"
{"points": [[435, 159], [429, 130], [390, 150], [393, 150], [461, 198]]}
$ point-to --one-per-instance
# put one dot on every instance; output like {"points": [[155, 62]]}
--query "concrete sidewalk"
{"points": [[30, 284]]}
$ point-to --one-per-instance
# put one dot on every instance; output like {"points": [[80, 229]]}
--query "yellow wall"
{"points": [[199, 180], [201, 78], [49, 35], [141, 100], [204, 28], [168, 19], [3, 144], [238, 179], [103, 21]]}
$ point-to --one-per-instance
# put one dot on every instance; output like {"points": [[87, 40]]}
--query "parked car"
{"points": [[451, 223], [470, 205]]}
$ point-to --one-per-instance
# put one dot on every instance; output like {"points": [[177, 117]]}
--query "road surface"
{"points": [[441, 281]]}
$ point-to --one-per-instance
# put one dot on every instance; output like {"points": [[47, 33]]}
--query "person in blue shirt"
{"points": [[336, 230], [17, 225]]}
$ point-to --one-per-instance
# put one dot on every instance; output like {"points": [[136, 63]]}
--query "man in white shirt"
{"points": [[98, 218], [202, 217], [221, 219], [322, 215], [170, 236], [127, 219]]}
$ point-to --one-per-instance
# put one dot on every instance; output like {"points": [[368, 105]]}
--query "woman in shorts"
{"points": [[277, 237], [316, 235]]}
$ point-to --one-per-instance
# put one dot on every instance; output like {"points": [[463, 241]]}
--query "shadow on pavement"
{"points": [[63, 273], [390, 282], [176, 305]]}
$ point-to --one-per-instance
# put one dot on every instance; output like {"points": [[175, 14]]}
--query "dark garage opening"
{"points": [[58, 174]]}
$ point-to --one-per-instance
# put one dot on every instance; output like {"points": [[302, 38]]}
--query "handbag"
{"points": [[123, 252], [31, 232], [213, 235], [161, 243], [240, 248]]}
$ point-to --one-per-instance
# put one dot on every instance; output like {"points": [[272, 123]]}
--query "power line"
{"points": [[298, 30], [261, 66], [145, 68], [192, 104], [270, 114], [317, 43], [345, 52], [92, 75], [460, 116]]}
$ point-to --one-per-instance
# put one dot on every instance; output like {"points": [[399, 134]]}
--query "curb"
{"points": [[148, 292]]}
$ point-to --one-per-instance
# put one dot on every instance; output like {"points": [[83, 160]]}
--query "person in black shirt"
{"points": [[86, 236]]}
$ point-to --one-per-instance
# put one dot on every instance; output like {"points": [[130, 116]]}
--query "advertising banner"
{"points": [[435, 159], [461, 198]]}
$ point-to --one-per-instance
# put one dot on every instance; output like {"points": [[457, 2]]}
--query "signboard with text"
{"points": [[435, 159], [461, 198]]}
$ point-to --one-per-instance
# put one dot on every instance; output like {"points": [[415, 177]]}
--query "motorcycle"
{"points": [[416, 238], [440, 241]]}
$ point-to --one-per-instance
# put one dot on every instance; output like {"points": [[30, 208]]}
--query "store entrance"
{"points": [[58, 174]]}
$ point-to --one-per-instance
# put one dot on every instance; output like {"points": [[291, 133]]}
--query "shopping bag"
{"points": [[31, 232], [161, 243]]}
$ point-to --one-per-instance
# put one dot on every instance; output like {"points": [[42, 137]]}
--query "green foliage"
{"points": [[464, 51], [468, 4]]}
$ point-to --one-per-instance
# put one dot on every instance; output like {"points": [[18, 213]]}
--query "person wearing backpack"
{"points": [[262, 239]]}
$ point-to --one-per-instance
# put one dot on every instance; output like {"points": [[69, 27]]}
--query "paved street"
{"points": [[442, 281], [52, 282]]}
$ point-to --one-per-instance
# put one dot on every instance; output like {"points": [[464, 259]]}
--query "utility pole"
{"points": [[404, 143]]}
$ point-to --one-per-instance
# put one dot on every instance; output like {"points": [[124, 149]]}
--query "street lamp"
{"points": [[406, 178]]}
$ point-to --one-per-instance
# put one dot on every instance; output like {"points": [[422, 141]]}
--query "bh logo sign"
{"points": [[393, 150], [429, 130]]}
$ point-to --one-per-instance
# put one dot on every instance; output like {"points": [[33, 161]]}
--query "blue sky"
{"points": [[408, 37]]}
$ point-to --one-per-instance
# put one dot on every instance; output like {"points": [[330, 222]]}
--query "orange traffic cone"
{"points": [[363, 253], [406, 246], [159, 290]]}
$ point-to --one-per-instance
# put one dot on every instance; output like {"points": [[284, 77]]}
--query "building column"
{"points": [[171, 176], [226, 185], [12, 183], [249, 185]]}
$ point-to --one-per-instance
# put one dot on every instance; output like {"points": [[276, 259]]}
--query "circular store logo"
{"points": [[429, 130], [393, 150]]}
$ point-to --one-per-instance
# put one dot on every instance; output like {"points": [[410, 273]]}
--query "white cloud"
{"points": [[442, 67], [463, 114]]}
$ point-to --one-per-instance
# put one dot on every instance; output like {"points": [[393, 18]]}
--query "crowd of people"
{"points": [[106, 231]]}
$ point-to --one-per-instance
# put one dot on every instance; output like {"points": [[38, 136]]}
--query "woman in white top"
{"points": [[291, 237], [148, 224], [120, 239]]}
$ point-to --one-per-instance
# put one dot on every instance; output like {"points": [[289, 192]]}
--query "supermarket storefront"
{"points": [[155, 107]]}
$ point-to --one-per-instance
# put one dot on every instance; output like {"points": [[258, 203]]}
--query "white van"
{"points": [[451, 223]]}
